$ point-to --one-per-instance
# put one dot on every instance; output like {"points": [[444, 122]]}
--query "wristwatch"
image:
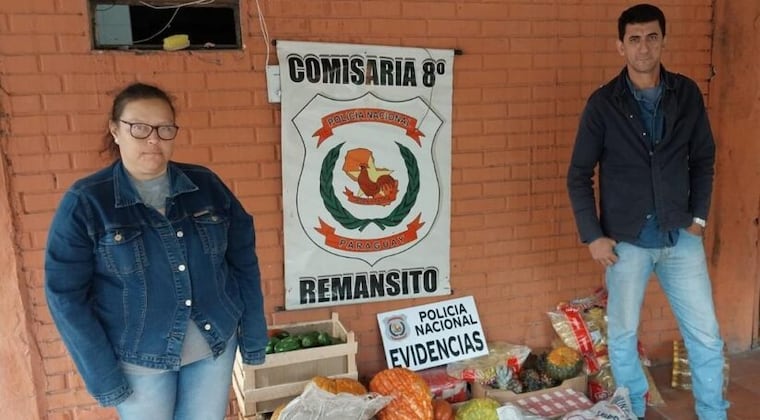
{"points": [[700, 222]]}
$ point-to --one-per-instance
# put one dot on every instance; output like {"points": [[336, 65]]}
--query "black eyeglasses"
{"points": [[142, 131]]}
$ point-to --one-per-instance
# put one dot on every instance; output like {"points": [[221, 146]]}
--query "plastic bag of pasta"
{"points": [[681, 374], [580, 324], [483, 369]]}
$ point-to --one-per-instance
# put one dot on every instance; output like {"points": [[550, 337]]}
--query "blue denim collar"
{"points": [[125, 193]]}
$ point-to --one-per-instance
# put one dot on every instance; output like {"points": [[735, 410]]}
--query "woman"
{"points": [[151, 274]]}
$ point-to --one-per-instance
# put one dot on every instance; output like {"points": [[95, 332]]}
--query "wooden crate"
{"points": [[261, 388]]}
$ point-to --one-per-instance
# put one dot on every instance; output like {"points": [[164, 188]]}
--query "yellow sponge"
{"points": [[176, 42]]}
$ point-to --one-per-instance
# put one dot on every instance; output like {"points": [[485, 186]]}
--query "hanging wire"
{"points": [[264, 31], [176, 8]]}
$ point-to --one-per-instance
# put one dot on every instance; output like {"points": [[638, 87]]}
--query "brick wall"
{"points": [[526, 70]]}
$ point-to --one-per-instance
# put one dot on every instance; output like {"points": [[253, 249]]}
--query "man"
{"points": [[648, 133]]}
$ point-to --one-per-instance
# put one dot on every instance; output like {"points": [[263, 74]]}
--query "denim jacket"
{"points": [[122, 280], [673, 177]]}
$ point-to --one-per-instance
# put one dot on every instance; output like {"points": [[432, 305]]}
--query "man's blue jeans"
{"points": [[198, 391], [683, 277]]}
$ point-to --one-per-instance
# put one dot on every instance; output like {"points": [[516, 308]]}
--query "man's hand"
{"points": [[602, 251], [696, 229]]}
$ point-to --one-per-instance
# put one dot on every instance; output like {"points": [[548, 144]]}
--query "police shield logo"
{"points": [[368, 187]]}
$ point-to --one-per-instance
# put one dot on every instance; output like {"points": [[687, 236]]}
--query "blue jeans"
{"points": [[198, 391], [683, 277]]}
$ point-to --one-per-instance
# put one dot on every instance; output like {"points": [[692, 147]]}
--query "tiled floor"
{"points": [[743, 391]]}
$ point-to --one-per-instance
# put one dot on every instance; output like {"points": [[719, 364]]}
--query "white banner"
{"points": [[431, 335], [366, 168]]}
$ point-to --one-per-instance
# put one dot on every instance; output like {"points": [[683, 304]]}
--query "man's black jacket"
{"points": [[674, 177]]}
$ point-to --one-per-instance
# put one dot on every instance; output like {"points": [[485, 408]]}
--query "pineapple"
{"points": [[563, 363], [531, 380]]}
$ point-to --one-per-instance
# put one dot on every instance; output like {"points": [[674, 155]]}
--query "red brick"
{"points": [[95, 412], [339, 25], [401, 28], [26, 125], [375, 8], [77, 63], [64, 6], [222, 136], [532, 12], [20, 44], [238, 118], [213, 61], [219, 99], [234, 80], [18, 84], [33, 163], [79, 43], [68, 398], [507, 94], [20, 64], [481, 78], [500, 28], [94, 83], [26, 144], [59, 415], [87, 161], [70, 102], [508, 60], [257, 188], [57, 365], [34, 203], [25, 104], [89, 122], [48, 23], [33, 182], [443, 27], [195, 155]]}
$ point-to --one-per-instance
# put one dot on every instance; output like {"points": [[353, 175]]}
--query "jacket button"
{"points": [[180, 234], [181, 267], [188, 302], [207, 327], [118, 237]]}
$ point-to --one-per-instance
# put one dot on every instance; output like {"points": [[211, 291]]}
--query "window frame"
{"points": [[157, 44]]}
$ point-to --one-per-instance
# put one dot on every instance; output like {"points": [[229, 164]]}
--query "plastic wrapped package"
{"points": [[444, 386], [617, 407], [317, 404], [483, 369]]}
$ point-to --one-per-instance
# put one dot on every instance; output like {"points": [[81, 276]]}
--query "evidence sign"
{"points": [[431, 335]]}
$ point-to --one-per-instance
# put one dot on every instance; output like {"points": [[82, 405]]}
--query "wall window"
{"points": [[165, 24]]}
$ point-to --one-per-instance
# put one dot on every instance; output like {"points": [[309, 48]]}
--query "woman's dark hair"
{"points": [[133, 92], [640, 13]]}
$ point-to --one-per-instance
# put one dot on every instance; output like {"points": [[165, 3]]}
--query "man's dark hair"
{"points": [[640, 13]]}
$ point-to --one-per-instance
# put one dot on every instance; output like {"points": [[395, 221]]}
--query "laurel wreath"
{"points": [[344, 217]]}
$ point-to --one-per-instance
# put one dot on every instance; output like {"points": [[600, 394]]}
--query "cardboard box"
{"points": [[260, 389], [578, 384]]}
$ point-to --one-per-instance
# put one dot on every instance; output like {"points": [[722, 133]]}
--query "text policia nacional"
{"points": [[441, 323]]}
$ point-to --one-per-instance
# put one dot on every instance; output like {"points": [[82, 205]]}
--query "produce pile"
{"points": [[393, 394], [282, 340], [545, 370]]}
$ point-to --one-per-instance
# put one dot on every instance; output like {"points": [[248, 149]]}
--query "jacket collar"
{"points": [[125, 193], [621, 84]]}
